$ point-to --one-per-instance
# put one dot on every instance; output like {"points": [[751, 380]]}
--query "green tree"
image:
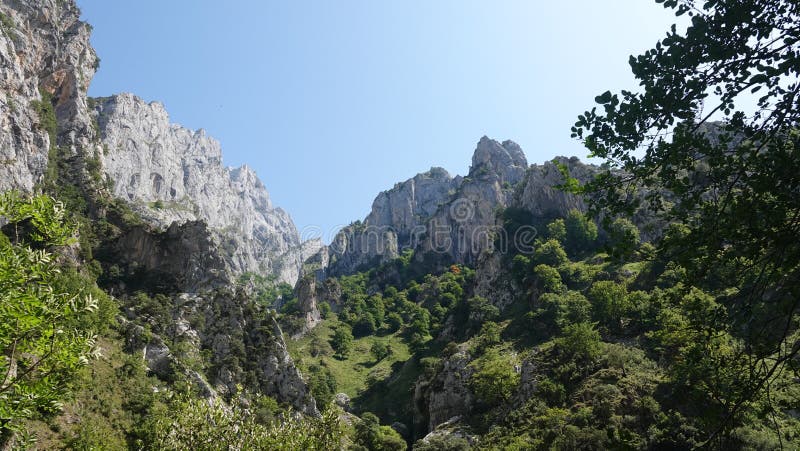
{"points": [[494, 379], [557, 230], [550, 253], [610, 303], [380, 350], [191, 423], [370, 435], [580, 342], [548, 278], [342, 340], [581, 232], [624, 238], [43, 338], [733, 183]]}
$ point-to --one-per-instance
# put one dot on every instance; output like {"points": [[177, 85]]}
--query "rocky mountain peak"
{"points": [[505, 159]]}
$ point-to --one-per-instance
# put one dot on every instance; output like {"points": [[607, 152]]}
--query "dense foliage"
{"points": [[47, 311], [728, 188]]}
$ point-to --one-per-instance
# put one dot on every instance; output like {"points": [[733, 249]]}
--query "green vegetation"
{"points": [[47, 318], [6, 23], [185, 425], [314, 354], [371, 436]]}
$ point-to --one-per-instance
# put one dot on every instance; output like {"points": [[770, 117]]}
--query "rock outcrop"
{"points": [[46, 64], [454, 219], [446, 396], [396, 222], [171, 174], [434, 213]]}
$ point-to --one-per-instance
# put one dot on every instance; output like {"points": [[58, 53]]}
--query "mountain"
{"points": [[173, 175], [162, 219], [453, 219]]}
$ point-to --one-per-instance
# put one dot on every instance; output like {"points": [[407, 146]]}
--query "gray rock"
{"points": [[447, 394], [174, 175], [46, 47], [342, 401]]}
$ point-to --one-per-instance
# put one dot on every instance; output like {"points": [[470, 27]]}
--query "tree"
{"points": [[370, 435], [550, 253], [43, 338], [581, 232], [494, 379], [557, 230], [342, 340], [548, 278], [580, 342], [733, 183], [380, 350], [610, 303], [624, 237], [192, 423]]}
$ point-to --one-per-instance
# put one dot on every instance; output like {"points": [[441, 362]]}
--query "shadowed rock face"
{"points": [[172, 174]]}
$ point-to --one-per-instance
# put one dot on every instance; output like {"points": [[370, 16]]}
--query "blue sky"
{"points": [[332, 102]]}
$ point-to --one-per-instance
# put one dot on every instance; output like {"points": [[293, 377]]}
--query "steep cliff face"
{"points": [[44, 49], [172, 174], [466, 226], [397, 221], [539, 194]]}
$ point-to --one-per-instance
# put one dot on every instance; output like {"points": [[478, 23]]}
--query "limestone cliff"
{"points": [[172, 174], [46, 64], [397, 221]]}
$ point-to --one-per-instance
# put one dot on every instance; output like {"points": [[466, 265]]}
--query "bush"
{"points": [[548, 278], [196, 424], [394, 321], [44, 318], [550, 253], [580, 342], [610, 303], [380, 350], [581, 233], [370, 435], [488, 336], [365, 325], [481, 310], [557, 230], [494, 379], [624, 236]]}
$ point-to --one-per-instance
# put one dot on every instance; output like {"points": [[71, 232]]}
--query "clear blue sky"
{"points": [[332, 102]]}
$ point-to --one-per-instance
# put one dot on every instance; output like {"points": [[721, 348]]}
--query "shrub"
{"points": [[548, 278], [380, 350], [557, 230], [610, 303], [580, 342], [494, 379], [550, 253]]}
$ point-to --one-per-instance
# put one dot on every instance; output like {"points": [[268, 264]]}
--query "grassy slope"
{"points": [[351, 373]]}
